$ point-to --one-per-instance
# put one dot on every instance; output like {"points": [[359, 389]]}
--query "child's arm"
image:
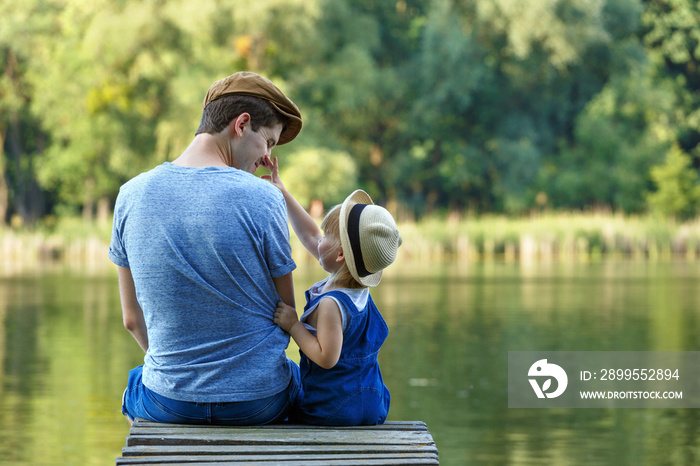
{"points": [[306, 229], [323, 349]]}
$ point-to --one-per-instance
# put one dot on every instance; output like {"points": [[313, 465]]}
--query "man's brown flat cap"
{"points": [[247, 83]]}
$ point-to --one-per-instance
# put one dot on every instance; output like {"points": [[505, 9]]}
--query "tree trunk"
{"points": [[103, 211], [4, 190], [89, 200]]}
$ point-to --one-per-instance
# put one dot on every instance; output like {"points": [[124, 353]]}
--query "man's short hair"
{"points": [[222, 111]]}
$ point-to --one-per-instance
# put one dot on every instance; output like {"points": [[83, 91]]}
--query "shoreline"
{"points": [[542, 238]]}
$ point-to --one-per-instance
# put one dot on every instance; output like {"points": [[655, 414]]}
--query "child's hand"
{"points": [[285, 316], [274, 176]]}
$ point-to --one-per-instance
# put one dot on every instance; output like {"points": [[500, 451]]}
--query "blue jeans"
{"points": [[139, 401]]}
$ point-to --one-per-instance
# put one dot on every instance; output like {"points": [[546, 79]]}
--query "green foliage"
{"points": [[672, 39], [619, 136], [323, 174], [484, 105], [678, 186]]}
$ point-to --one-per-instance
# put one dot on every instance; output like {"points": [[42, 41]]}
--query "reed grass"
{"points": [[70, 241], [561, 236], [545, 237]]}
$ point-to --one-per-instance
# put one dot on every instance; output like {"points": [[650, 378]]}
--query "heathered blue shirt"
{"points": [[203, 245]]}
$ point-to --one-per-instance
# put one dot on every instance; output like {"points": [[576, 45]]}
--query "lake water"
{"points": [[64, 356]]}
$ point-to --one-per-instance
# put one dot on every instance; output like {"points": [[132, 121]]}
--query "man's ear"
{"points": [[341, 256], [238, 124]]}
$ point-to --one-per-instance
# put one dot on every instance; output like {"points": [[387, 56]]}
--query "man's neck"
{"points": [[206, 150]]}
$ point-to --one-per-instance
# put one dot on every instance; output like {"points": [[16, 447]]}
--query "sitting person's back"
{"points": [[203, 252]]}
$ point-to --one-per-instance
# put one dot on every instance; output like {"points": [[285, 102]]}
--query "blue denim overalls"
{"points": [[352, 392]]}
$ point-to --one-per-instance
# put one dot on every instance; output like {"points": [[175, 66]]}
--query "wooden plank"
{"points": [[175, 429], [404, 442], [389, 425], [424, 456], [274, 437], [272, 457], [155, 450], [285, 461], [172, 461]]}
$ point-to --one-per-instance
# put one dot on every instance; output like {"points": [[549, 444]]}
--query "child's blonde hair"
{"points": [[331, 227]]}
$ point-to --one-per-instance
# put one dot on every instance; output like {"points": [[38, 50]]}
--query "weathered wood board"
{"points": [[394, 443]]}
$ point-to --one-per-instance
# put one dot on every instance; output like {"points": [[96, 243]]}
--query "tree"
{"points": [[677, 186], [21, 139], [351, 96], [497, 99], [672, 37], [104, 119], [319, 174], [138, 72], [620, 135], [443, 104]]}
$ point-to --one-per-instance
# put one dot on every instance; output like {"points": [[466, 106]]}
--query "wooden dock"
{"points": [[397, 442]]}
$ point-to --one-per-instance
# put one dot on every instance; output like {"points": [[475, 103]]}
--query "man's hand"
{"points": [[285, 316]]}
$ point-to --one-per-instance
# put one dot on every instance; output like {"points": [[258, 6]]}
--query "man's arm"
{"points": [[132, 313], [285, 288]]}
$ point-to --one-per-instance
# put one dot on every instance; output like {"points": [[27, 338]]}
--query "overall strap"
{"points": [[339, 295]]}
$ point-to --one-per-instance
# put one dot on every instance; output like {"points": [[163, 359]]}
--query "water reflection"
{"points": [[458, 328], [64, 356], [63, 370]]}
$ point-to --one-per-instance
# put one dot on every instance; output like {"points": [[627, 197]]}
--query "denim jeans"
{"points": [[139, 401]]}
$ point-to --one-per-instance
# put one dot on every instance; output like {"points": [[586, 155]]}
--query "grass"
{"points": [[551, 236], [554, 236]]}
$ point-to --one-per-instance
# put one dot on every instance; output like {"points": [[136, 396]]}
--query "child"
{"points": [[341, 330]]}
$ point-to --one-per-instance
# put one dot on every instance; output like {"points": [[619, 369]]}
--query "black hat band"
{"points": [[354, 236]]}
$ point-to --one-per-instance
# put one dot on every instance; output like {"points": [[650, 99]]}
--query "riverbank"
{"points": [[546, 237]]}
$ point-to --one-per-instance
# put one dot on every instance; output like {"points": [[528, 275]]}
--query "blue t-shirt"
{"points": [[203, 245]]}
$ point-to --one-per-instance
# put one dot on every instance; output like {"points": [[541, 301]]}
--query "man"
{"points": [[202, 249]]}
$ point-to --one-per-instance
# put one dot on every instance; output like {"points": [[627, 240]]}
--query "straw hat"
{"points": [[369, 237], [247, 83]]}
